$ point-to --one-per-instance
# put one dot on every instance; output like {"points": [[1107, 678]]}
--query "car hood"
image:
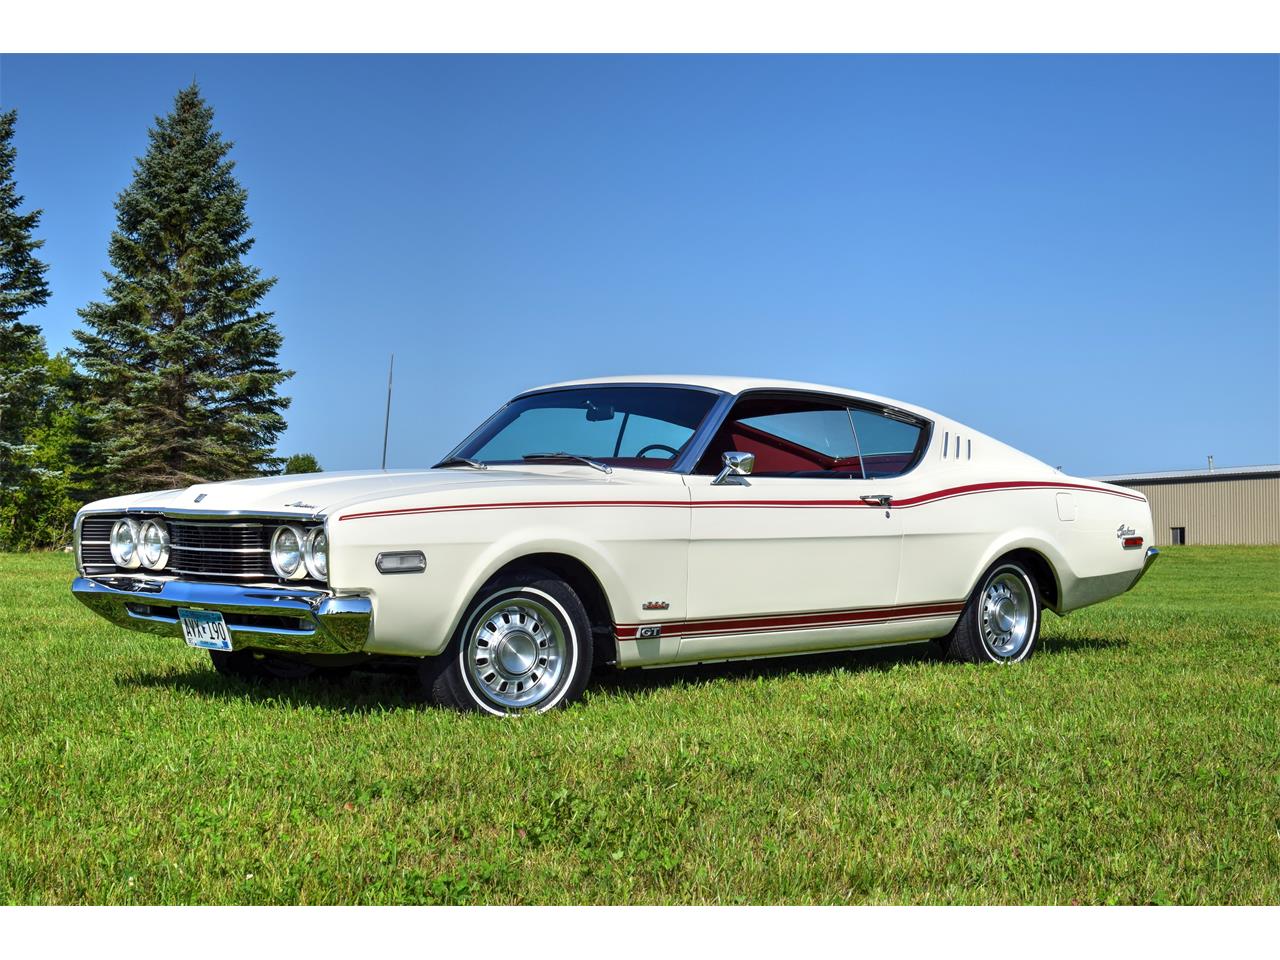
{"points": [[316, 493]]}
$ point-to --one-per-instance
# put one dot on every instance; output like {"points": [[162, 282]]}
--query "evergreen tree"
{"points": [[22, 350], [181, 364], [303, 463], [39, 510]]}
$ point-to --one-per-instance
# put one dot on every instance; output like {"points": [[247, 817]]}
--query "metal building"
{"points": [[1223, 505]]}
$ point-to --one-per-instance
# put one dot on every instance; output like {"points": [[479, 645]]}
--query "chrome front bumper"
{"points": [[266, 618]]}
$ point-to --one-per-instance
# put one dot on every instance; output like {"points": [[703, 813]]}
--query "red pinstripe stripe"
{"points": [[530, 505], [1012, 485], [777, 623], [905, 503]]}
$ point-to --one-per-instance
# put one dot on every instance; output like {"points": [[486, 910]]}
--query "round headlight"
{"points": [[286, 553], [316, 553], [124, 544], [153, 545]]}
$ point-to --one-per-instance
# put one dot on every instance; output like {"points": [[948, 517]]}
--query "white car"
{"points": [[643, 522]]}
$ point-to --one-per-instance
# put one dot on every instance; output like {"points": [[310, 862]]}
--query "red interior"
{"points": [[775, 454]]}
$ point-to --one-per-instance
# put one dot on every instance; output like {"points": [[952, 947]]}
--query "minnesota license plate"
{"points": [[205, 629]]}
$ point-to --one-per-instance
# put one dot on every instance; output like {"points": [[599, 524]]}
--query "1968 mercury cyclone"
{"points": [[639, 521]]}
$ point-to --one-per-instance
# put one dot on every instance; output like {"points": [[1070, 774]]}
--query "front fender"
{"points": [[635, 557], [529, 542]]}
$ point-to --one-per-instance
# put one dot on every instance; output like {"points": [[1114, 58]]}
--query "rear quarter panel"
{"points": [[971, 502]]}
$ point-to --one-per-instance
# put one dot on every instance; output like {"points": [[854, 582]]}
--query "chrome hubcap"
{"points": [[516, 653], [1006, 615]]}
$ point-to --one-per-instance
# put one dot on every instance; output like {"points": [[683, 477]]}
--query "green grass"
{"points": [[1136, 759]]}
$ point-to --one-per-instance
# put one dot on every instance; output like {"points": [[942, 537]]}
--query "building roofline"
{"points": [[1217, 473]]}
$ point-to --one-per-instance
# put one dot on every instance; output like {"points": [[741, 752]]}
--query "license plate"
{"points": [[205, 629]]}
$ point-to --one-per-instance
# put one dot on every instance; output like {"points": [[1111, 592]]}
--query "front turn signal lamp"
{"points": [[401, 561]]}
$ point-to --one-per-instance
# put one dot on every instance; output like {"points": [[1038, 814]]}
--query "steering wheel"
{"points": [[658, 446]]}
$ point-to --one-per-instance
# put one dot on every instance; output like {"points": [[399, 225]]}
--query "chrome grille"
{"points": [[95, 541], [211, 549]]}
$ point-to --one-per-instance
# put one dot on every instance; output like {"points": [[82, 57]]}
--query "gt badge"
{"points": [[645, 633]]}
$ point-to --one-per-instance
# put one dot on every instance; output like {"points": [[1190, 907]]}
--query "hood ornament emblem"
{"points": [[200, 496]]}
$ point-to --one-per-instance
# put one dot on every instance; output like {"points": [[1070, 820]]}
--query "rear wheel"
{"points": [[524, 646], [1001, 621]]}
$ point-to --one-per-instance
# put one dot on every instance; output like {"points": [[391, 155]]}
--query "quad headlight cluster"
{"points": [[295, 554], [135, 544]]}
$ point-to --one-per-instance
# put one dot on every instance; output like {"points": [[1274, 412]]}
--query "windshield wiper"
{"points": [[561, 455], [461, 462]]}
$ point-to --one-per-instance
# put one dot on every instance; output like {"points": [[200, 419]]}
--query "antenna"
{"points": [[386, 423]]}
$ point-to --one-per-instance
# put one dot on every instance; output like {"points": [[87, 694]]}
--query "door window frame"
{"points": [[721, 413]]}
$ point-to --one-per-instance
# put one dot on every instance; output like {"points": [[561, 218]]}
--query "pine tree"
{"points": [[38, 512], [181, 363], [22, 351], [303, 463]]}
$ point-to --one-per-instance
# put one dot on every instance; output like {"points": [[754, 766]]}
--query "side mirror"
{"points": [[737, 467]]}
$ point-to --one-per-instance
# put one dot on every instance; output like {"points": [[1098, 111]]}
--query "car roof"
{"points": [[737, 385]]}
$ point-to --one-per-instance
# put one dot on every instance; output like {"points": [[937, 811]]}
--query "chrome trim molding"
{"points": [[705, 433], [1152, 556], [197, 512], [326, 623], [608, 384], [75, 540]]}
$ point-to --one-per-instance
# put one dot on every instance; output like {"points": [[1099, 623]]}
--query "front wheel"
{"points": [[524, 646], [1001, 621]]}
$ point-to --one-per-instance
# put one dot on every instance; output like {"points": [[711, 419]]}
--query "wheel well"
{"points": [[1041, 572], [585, 584]]}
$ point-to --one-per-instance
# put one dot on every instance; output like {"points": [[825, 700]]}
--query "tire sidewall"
{"points": [[1033, 633], [575, 630]]}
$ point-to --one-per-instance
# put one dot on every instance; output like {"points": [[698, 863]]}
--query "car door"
{"points": [[803, 555]]}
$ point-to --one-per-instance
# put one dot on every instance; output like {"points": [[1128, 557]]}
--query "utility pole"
{"points": [[386, 423]]}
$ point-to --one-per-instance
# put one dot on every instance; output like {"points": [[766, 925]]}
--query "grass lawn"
{"points": [[1135, 759]]}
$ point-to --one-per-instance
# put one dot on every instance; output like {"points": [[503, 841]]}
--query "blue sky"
{"points": [[1078, 255]]}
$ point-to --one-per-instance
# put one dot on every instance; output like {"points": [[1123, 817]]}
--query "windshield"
{"points": [[645, 428]]}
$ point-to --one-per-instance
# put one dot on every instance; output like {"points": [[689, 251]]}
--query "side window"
{"points": [[888, 446], [826, 431], [789, 437]]}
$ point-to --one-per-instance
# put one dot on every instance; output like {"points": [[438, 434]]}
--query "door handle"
{"points": [[883, 499]]}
